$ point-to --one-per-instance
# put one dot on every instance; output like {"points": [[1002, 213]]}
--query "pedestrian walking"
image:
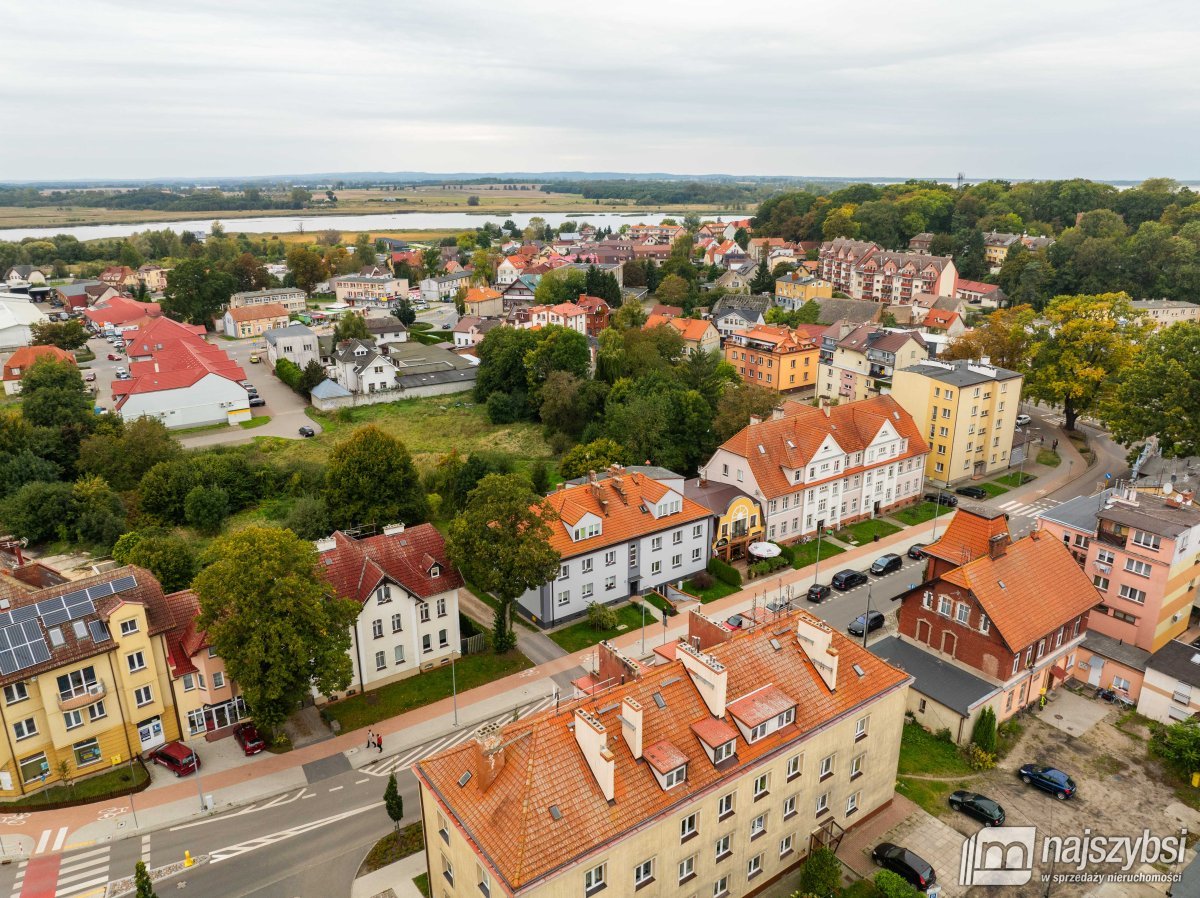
{"points": [[379, 743], [370, 738], [1054, 445]]}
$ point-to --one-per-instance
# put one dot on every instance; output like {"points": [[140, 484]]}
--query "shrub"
{"points": [[289, 372], [943, 735], [821, 873], [703, 580], [892, 885], [206, 508], [601, 617], [984, 732], [977, 758], [1178, 745], [724, 572], [308, 518], [505, 408]]}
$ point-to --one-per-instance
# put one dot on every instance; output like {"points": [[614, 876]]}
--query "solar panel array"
{"points": [[21, 646]]}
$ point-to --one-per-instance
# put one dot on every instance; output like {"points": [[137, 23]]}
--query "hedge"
{"points": [[724, 572], [288, 372]]}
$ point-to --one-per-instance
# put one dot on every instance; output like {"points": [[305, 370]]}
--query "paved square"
{"points": [[1073, 714]]}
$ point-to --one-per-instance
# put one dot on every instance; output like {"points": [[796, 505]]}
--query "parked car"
{"points": [[246, 735], [307, 431], [905, 863], [1023, 420], [254, 359], [257, 402], [819, 592], [982, 808], [972, 492], [848, 579], [916, 551], [90, 376], [873, 622], [1048, 779], [177, 758], [942, 499], [113, 357], [63, 316], [122, 374], [886, 564]]}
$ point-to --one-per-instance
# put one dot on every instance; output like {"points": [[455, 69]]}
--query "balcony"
{"points": [[1110, 538], [81, 696]]}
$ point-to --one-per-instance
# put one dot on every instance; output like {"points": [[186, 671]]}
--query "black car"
{"points": [[916, 551], [942, 499], [818, 593], [873, 622], [972, 492], [257, 402], [905, 863], [886, 564], [848, 579], [307, 432], [1048, 779], [982, 808]]}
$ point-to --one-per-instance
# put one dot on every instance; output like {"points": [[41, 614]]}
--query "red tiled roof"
{"points": [[713, 731], [968, 535], [941, 318], [976, 287], [27, 355], [121, 310], [354, 568], [760, 706], [184, 640], [664, 757], [257, 313]]}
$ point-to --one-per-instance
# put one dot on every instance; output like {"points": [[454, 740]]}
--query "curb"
{"points": [[125, 885]]}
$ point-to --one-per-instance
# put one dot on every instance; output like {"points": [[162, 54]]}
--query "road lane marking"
{"points": [[277, 801], [335, 788], [232, 851], [365, 779], [60, 838]]}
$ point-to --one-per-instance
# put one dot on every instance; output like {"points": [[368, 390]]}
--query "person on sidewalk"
{"points": [[379, 743], [370, 738]]}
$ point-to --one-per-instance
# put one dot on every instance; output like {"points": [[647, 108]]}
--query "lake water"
{"points": [[396, 221]]}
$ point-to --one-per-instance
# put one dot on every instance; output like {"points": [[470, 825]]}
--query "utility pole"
{"points": [[867, 616], [935, 513], [817, 565]]}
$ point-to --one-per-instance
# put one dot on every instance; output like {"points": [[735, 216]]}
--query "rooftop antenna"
{"points": [[961, 177]]}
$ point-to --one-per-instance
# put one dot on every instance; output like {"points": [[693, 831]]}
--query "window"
{"points": [[697, 531], [136, 662], [754, 867], [399, 653], [484, 880], [73, 719], [785, 718], [827, 767], [963, 613], [380, 660], [593, 879], [424, 612], [722, 847], [385, 594], [377, 629], [656, 567], [985, 625], [676, 561], [1134, 595], [443, 639], [610, 583], [564, 572], [15, 692], [447, 870], [23, 729], [443, 829], [721, 887], [860, 728], [200, 681], [656, 544], [86, 752], [725, 806], [643, 873], [426, 643], [687, 869], [944, 605], [789, 806], [129, 626], [1104, 556], [397, 623], [1147, 540], [856, 764], [143, 696], [785, 846], [441, 607], [677, 537], [1016, 663], [793, 766], [822, 803], [96, 711], [687, 827], [1101, 583], [1121, 683], [760, 786], [1141, 568], [564, 597], [610, 558], [758, 732], [33, 767], [586, 565], [696, 554], [633, 556], [675, 777]]}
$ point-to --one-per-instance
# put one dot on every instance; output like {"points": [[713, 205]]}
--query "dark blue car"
{"points": [[1048, 779]]}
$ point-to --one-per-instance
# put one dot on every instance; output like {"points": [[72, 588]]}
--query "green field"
{"points": [[1014, 479], [993, 489], [923, 754]]}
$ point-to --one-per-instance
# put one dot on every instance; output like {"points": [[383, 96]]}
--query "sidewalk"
{"points": [[397, 877]]}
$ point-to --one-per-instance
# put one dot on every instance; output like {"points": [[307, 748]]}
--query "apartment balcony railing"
{"points": [[1111, 539], [82, 696]]}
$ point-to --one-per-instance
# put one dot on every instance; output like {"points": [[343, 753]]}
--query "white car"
{"points": [[1024, 420]]}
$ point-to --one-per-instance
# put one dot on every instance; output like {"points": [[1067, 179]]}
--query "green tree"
{"points": [[404, 312], [312, 375], [1005, 337], [502, 364], [1086, 343], [393, 802], [350, 326], [570, 403], [893, 885], [39, 511], [306, 266], [738, 403], [763, 280], [560, 285], [983, 733], [206, 508], [66, 335], [1178, 744], [53, 394], [1157, 395], [539, 477], [371, 478], [501, 543], [196, 292], [821, 873], [673, 291], [123, 454], [741, 237], [168, 557], [594, 456], [300, 197], [364, 251], [97, 513], [308, 518], [22, 467], [431, 262], [271, 620], [141, 882], [557, 349]]}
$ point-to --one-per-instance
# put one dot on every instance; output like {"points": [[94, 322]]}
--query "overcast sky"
{"points": [[131, 89]]}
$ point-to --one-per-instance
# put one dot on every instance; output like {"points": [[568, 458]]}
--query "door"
{"points": [[633, 587], [150, 733], [1096, 671], [876, 509]]}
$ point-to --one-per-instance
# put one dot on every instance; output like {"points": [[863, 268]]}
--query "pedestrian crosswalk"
{"points": [[1029, 509], [388, 766], [68, 876]]}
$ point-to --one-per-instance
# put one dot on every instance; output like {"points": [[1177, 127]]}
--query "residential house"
{"points": [[252, 321], [984, 607], [470, 330], [206, 698], [445, 287], [863, 361], [83, 294], [737, 518], [357, 290], [618, 537], [661, 233], [360, 367], [715, 772], [815, 468], [863, 270], [1171, 688], [977, 292], [296, 343], [1140, 548], [797, 287], [738, 312], [119, 277], [724, 253], [386, 330], [565, 314], [21, 277], [996, 246], [849, 311], [86, 680], [522, 290], [658, 252], [153, 278], [484, 302], [1165, 312], [698, 334], [597, 311], [17, 364], [120, 313], [292, 299], [920, 243], [943, 322], [509, 269], [408, 592], [774, 356], [17, 317], [734, 281], [363, 374], [970, 409]]}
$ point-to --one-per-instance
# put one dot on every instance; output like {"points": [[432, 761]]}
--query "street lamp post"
{"points": [[643, 604], [817, 565], [454, 689], [867, 616], [935, 512]]}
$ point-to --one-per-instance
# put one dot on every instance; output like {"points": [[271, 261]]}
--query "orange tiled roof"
{"points": [[664, 757], [479, 294], [27, 355], [257, 313], [783, 338], [510, 822], [356, 567], [760, 706], [711, 731], [1034, 588], [623, 518], [968, 535], [792, 440], [940, 318], [693, 330]]}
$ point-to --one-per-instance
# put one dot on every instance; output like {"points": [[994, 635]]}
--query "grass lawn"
{"points": [[1049, 458], [718, 590], [993, 489], [255, 422], [365, 709], [203, 428], [924, 754], [581, 634], [804, 555], [866, 531], [421, 881], [395, 846], [1014, 479], [919, 514], [660, 603], [864, 888], [94, 788], [929, 794]]}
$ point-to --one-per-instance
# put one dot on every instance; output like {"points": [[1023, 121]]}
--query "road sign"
{"points": [[1107, 476]]}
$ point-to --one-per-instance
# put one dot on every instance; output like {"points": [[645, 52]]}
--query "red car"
{"points": [[247, 737], [176, 757], [113, 357]]}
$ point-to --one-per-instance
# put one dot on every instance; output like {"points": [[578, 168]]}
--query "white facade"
{"points": [[506, 272], [291, 299], [442, 289], [17, 315], [365, 371], [357, 288], [211, 400], [296, 346], [397, 634]]}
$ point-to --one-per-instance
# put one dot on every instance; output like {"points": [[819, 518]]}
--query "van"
{"points": [[177, 758]]}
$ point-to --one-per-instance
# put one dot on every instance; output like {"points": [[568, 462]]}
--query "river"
{"points": [[396, 221]]}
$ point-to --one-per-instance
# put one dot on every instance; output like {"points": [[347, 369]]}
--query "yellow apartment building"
{"points": [[969, 412]]}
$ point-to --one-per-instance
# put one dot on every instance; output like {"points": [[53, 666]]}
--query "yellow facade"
{"points": [[740, 525], [804, 289], [87, 712]]}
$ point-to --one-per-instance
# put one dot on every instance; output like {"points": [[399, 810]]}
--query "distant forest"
{"points": [[156, 198]]}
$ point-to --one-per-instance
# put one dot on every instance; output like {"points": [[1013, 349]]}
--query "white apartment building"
{"points": [[291, 298]]}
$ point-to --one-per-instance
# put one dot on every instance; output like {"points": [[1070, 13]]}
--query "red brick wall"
{"points": [[985, 653]]}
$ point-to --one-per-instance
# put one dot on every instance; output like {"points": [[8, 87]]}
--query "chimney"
{"points": [[777, 413], [631, 725], [326, 544], [985, 360], [703, 478], [489, 755], [393, 529], [613, 666], [815, 639], [704, 632], [825, 408], [709, 676], [592, 739], [997, 545], [755, 419]]}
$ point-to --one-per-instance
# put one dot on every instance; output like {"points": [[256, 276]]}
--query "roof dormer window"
{"points": [[674, 777], [435, 572], [725, 751]]}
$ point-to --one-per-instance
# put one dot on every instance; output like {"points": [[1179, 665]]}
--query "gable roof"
{"points": [[940, 318], [257, 312], [356, 567], [27, 355], [969, 533], [1177, 660], [692, 330]]}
